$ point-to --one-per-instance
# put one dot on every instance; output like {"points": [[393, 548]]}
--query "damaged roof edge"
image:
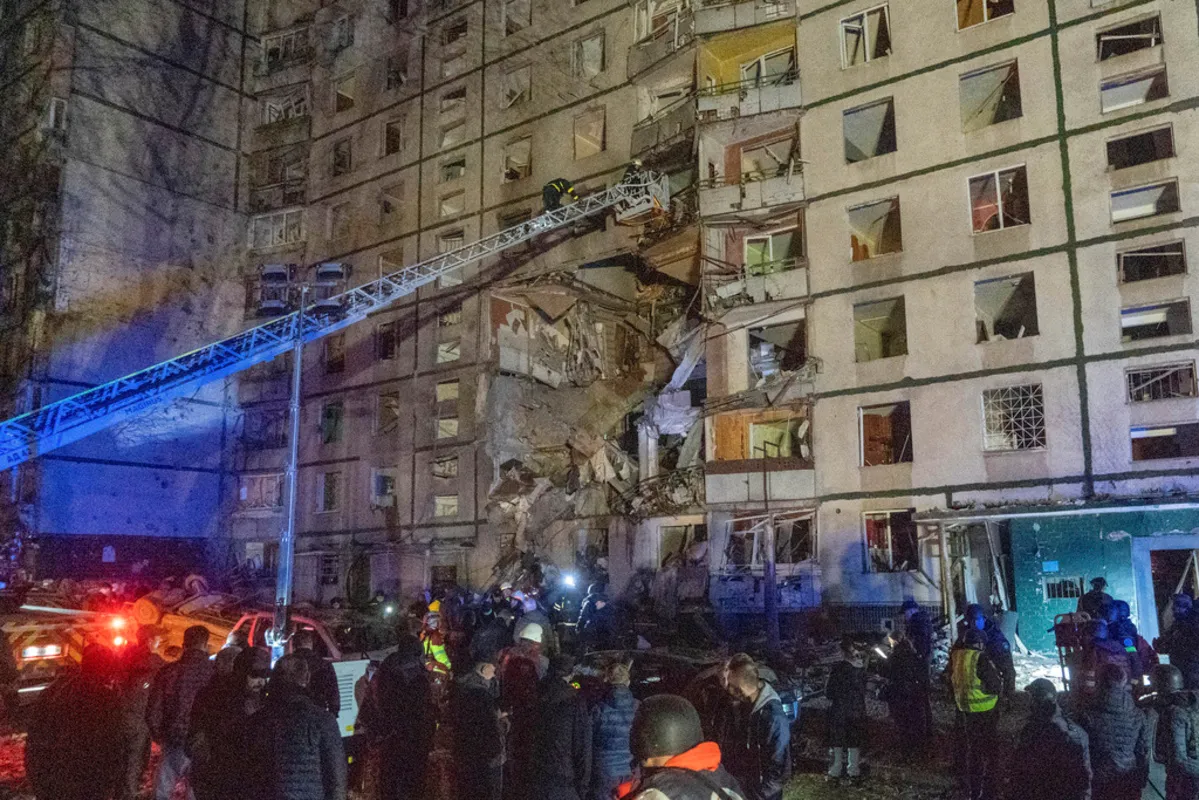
{"points": [[1066, 508]]}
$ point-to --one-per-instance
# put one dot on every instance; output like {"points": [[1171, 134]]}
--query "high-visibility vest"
{"points": [[437, 654], [968, 691]]}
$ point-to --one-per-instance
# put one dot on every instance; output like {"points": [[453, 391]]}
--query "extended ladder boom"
{"points": [[73, 418]]}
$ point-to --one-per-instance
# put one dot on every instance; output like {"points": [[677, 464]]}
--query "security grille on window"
{"points": [[281, 108], [343, 94], [393, 137], [330, 570], [1014, 418], [875, 229], [453, 169], [260, 492], [518, 159], [1161, 382], [332, 421], [1153, 261], [976, 12], [278, 228], [1140, 148], [869, 130], [866, 36], [1145, 201], [1125, 91], [587, 56], [328, 491], [518, 15], [387, 413], [892, 544], [517, 86], [990, 96], [1062, 588], [590, 134], [335, 353], [444, 467], [1129, 38], [999, 200]]}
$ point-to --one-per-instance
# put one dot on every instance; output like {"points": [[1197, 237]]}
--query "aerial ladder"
{"points": [[636, 198]]}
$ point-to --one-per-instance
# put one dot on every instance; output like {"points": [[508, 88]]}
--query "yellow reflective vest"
{"points": [[968, 692]]}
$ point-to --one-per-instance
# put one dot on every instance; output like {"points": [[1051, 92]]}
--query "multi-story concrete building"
{"points": [[120, 246]]}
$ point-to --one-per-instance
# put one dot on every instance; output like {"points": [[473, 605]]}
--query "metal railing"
{"points": [[779, 79]]}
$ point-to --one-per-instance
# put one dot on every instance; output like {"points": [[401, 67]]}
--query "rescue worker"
{"points": [[675, 763], [520, 670], [562, 737], [170, 706], [531, 613], [907, 696], [611, 720], [1181, 642], [761, 762], [633, 171], [405, 722], [294, 748], [597, 625], [1098, 651], [976, 686], [142, 664], [555, 190], [493, 637], [322, 681], [846, 692], [1092, 602], [999, 650], [1123, 630], [216, 742], [1177, 735], [478, 733], [1052, 758], [1119, 739], [433, 644]]}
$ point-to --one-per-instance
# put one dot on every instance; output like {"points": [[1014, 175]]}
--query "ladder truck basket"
{"points": [[654, 202]]}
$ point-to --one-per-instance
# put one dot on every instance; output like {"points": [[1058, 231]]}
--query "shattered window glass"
{"points": [[999, 200], [1126, 91], [397, 71], [518, 159], [794, 541], [588, 56], [260, 491], [445, 467], [447, 352], [676, 540], [976, 12], [518, 86], [590, 134], [891, 541], [445, 505], [453, 204], [866, 36], [774, 252], [453, 102], [880, 329], [265, 429], [874, 229], [453, 169], [343, 94], [452, 135], [1005, 308], [1172, 441], [1151, 322], [869, 131], [886, 434], [990, 96], [1129, 38], [332, 422], [775, 348], [782, 438], [770, 69], [1140, 148], [767, 160], [1145, 201], [1153, 261], [387, 413], [1161, 382]]}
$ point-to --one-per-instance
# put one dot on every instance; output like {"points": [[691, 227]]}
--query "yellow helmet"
{"points": [[435, 607]]}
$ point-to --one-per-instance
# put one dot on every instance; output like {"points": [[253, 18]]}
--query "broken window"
{"points": [[866, 36], [259, 492], [590, 134], [282, 167], [891, 541], [1153, 261], [383, 487], [447, 352], [454, 101], [342, 156], [773, 252], [874, 229], [278, 228], [1140, 148], [1145, 201], [339, 221], [770, 69], [390, 204], [445, 505], [398, 9], [328, 491], [1061, 588], [445, 467], [396, 71], [999, 200], [281, 108], [1129, 37], [447, 428], [1126, 91], [794, 540], [265, 429], [1161, 382], [393, 136], [334, 355], [387, 412], [886, 432], [990, 96], [1005, 308], [869, 130], [343, 93], [655, 18], [453, 65], [1014, 418], [518, 159], [453, 169], [777, 347], [386, 339], [780, 438], [447, 391], [517, 86], [283, 49], [587, 56], [1152, 322], [343, 33], [452, 204], [455, 32], [767, 160], [518, 15], [976, 12], [330, 568], [450, 317], [676, 540], [880, 329], [1167, 441], [452, 135], [332, 419], [450, 240]]}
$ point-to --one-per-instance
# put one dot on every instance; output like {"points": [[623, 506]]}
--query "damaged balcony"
{"points": [[752, 265], [749, 72], [720, 16], [758, 456], [737, 572], [661, 28], [670, 120], [749, 168]]}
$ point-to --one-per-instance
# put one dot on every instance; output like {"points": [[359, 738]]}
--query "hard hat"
{"points": [[506, 586], [435, 607], [1167, 678], [664, 725], [532, 632], [637, 162]]}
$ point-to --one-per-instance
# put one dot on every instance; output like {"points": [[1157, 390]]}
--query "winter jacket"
{"points": [[489, 640], [322, 683], [217, 740], [1177, 743], [999, 650], [611, 759], [295, 750], [1118, 735], [694, 775], [172, 695], [762, 760], [478, 740], [141, 667], [406, 722], [919, 631], [1181, 643], [561, 763], [1092, 602], [846, 692], [1051, 761], [72, 743], [597, 630]]}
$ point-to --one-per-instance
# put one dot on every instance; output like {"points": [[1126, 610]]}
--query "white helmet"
{"points": [[532, 632]]}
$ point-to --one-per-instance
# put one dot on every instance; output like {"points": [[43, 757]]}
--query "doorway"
{"points": [[1158, 564]]}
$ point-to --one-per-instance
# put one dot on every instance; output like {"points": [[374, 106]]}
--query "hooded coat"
{"points": [[295, 750], [1177, 745], [1052, 761], [561, 763], [406, 724], [612, 760], [762, 760], [1119, 738]]}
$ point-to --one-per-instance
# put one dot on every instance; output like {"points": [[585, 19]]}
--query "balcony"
{"points": [[665, 40], [719, 16], [751, 96], [751, 191], [664, 128]]}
